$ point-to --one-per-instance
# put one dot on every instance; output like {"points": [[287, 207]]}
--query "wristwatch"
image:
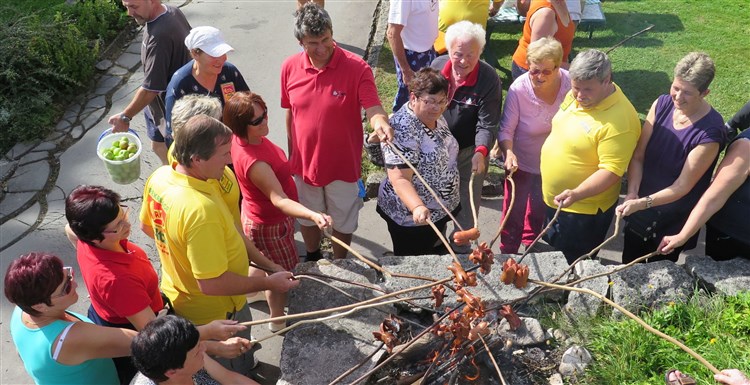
{"points": [[125, 118], [649, 201]]}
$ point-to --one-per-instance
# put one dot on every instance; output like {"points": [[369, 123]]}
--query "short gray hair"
{"points": [[200, 137], [190, 105], [311, 20], [696, 68], [591, 64], [464, 31]]}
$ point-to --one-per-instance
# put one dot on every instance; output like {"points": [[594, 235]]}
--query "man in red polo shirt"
{"points": [[324, 89]]}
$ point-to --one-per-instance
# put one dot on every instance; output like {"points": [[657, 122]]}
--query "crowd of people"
{"points": [[221, 210]]}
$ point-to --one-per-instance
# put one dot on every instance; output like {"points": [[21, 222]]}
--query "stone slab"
{"points": [[106, 84], [585, 304], [650, 285], [29, 177], [14, 201], [129, 60], [726, 277], [346, 341]]}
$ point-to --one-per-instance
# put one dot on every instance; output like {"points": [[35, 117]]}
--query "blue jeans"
{"points": [[417, 60]]}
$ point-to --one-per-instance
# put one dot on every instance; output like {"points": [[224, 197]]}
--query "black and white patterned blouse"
{"points": [[433, 152]]}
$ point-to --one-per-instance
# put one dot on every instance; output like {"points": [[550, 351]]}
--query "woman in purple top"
{"points": [[672, 163], [532, 101]]}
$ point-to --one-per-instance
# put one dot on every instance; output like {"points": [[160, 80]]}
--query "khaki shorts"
{"points": [[338, 199]]}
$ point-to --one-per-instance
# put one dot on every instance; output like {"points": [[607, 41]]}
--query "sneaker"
{"points": [[258, 296], [276, 326]]}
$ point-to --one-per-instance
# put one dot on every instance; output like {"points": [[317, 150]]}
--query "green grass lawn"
{"points": [[643, 66]]}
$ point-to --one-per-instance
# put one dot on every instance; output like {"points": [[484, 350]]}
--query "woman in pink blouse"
{"points": [[532, 101]]}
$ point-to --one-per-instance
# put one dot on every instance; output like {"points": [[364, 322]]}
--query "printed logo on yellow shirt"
{"points": [[225, 184]]}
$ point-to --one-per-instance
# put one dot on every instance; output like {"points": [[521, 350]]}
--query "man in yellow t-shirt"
{"points": [[204, 257], [583, 159]]}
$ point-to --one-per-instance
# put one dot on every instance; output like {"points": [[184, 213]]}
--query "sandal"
{"points": [[681, 379]]}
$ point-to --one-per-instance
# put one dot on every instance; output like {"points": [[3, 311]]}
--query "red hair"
{"points": [[31, 279]]}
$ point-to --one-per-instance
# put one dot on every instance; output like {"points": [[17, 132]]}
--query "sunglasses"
{"points": [[67, 283], [260, 119], [535, 72]]}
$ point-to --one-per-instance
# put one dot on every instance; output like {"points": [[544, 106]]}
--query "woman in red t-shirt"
{"points": [[269, 195]]}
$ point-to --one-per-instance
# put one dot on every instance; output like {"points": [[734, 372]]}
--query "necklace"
{"points": [[686, 118]]}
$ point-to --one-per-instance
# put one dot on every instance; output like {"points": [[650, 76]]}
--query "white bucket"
{"points": [[121, 171]]}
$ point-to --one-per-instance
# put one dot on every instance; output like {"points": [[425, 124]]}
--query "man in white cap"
{"points": [[209, 73], [162, 53]]}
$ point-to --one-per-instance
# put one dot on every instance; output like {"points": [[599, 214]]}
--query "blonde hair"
{"points": [[545, 48]]}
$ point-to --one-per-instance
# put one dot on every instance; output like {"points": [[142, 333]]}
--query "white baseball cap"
{"points": [[209, 40]]}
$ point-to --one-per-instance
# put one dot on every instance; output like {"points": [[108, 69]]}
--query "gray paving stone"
{"points": [[95, 104], [6, 167], [33, 157], [30, 215], [123, 94], [93, 119], [14, 201], [56, 137], [20, 149], [103, 65], [77, 132], [106, 84], [71, 114], [11, 230], [44, 147], [135, 46], [117, 71], [129, 60], [63, 126], [29, 177]]}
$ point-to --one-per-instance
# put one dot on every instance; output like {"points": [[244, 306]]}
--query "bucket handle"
{"points": [[109, 131]]}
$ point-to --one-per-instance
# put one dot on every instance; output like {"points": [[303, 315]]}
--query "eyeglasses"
{"points": [[434, 103], [67, 284], [122, 223], [535, 72], [260, 119]]}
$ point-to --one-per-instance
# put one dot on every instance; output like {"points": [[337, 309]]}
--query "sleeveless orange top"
{"points": [[564, 34]]}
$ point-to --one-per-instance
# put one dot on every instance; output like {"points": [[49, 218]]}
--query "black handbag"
{"points": [[643, 224]]}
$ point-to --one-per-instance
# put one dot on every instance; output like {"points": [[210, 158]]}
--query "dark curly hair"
{"points": [[311, 20]]}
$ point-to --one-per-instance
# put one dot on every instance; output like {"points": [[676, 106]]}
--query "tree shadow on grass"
{"points": [[642, 87]]}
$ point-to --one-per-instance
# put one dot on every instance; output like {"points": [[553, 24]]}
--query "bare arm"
{"points": [[542, 24], [265, 179], [401, 179], [635, 168], [378, 119], [511, 161], [148, 230], [596, 183], [223, 375], [141, 99], [86, 341], [230, 283], [397, 47], [731, 174], [289, 122], [698, 161]]}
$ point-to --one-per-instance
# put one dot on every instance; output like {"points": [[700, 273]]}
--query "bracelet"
{"points": [[649, 201]]}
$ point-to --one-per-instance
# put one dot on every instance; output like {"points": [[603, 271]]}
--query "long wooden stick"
{"points": [[507, 212], [424, 182], [471, 200], [541, 234], [634, 318], [346, 307], [489, 353], [623, 41]]}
